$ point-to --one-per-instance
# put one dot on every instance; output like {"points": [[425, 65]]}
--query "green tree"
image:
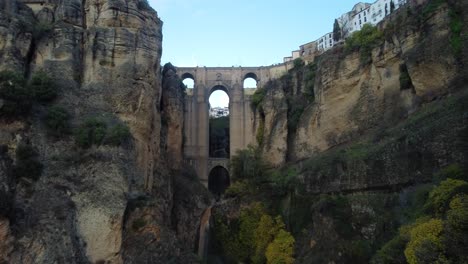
{"points": [[425, 244], [247, 164], [336, 31], [43, 87], [456, 229], [281, 250], [249, 220], [91, 132], [264, 235], [392, 6], [439, 198]]}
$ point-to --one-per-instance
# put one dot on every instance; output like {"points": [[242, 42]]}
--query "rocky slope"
{"points": [[104, 203]]}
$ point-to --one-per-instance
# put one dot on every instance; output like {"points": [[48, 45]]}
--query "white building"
{"points": [[216, 112], [325, 42]]}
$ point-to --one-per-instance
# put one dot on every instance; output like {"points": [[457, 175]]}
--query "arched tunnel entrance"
{"points": [[218, 180]]}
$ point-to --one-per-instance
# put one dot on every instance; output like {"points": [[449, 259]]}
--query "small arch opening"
{"points": [[188, 80], [219, 123], [250, 80], [218, 180]]}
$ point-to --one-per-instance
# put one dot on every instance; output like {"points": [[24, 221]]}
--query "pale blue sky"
{"points": [[242, 32]]}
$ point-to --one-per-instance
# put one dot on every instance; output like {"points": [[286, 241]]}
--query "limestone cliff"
{"points": [[95, 204], [339, 97]]}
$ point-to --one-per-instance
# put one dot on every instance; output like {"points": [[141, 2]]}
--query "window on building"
{"points": [[365, 20]]}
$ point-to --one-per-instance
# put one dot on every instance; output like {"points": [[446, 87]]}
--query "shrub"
{"points": [[453, 171], [456, 230], [281, 250], [17, 96], [391, 252], [283, 181], [364, 41], [260, 132], [248, 222], [440, 197], [42, 86], [118, 134], [257, 97], [91, 132], [27, 163], [239, 188], [298, 63], [247, 164], [57, 121], [265, 233], [425, 245]]}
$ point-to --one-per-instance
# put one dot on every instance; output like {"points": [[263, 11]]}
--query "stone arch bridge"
{"points": [[241, 117]]}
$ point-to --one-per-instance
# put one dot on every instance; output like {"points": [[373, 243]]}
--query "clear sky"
{"points": [[242, 32]]}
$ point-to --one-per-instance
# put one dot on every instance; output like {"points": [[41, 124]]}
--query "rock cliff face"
{"points": [[103, 203], [414, 64]]}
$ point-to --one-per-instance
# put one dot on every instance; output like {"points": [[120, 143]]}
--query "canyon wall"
{"points": [[103, 203], [343, 95]]}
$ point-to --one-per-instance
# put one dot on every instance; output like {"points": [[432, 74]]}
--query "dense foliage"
{"points": [[255, 237], [19, 95], [95, 131], [364, 41]]}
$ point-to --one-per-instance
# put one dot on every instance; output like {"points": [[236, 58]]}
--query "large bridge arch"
{"points": [[241, 115]]}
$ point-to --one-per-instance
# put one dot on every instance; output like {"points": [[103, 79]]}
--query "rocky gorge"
{"points": [[347, 144]]}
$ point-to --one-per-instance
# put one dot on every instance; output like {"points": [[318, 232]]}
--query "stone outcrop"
{"points": [[105, 57]]}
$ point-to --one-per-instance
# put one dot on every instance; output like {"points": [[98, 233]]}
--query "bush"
{"points": [[260, 132], [257, 97], [42, 86], [91, 132], [283, 181], [17, 96], [440, 197], [391, 252], [364, 41], [247, 164], [281, 250], [456, 230], [57, 121], [298, 64], [425, 245], [239, 188], [118, 134], [27, 163], [265, 233], [453, 171]]}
